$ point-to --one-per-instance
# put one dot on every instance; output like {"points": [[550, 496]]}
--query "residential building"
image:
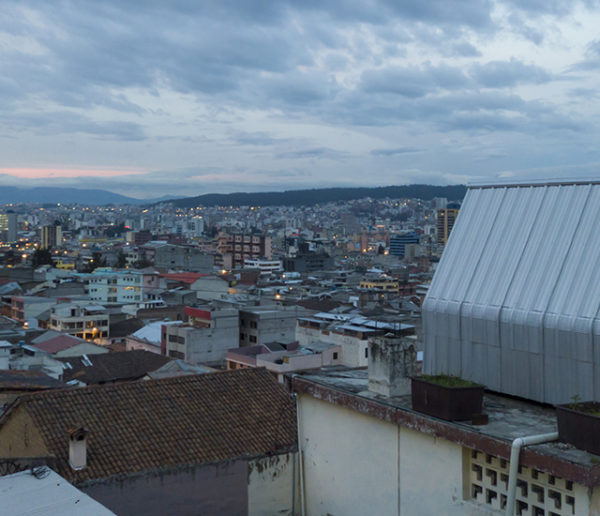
{"points": [[266, 267], [264, 324], [350, 332], [86, 321], [280, 360], [236, 247], [206, 337], [220, 443], [309, 262], [124, 287], [182, 258], [26, 309]]}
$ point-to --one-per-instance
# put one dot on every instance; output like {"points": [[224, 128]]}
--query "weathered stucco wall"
{"points": [[257, 487], [350, 461], [271, 488], [19, 437], [214, 489], [355, 464]]}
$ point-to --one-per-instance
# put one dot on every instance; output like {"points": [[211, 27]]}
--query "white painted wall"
{"points": [[355, 464], [350, 461], [352, 348]]}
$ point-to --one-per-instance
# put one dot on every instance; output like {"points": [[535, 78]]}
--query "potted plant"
{"points": [[447, 397], [579, 424]]}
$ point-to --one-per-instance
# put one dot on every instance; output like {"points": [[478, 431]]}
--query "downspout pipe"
{"points": [[300, 458], [515, 451]]}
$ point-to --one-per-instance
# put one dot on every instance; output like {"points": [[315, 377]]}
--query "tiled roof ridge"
{"points": [[134, 385]]}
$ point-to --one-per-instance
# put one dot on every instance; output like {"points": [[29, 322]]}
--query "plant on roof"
{"points": [[448, 380]]}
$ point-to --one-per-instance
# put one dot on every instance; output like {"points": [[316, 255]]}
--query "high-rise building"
{"points": [[398, 243], [445, 222], [8, 226], [51, 236]]}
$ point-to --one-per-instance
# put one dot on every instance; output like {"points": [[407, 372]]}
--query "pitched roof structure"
{"points": [[59, 343], [112, 367], [20, 380], [163, 424]]}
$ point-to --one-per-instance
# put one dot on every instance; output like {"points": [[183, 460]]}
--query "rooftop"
{"points": [[163, 424], [111, 367], [45, 492], [509, 418]]}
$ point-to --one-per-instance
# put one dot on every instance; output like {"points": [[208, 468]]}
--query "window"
{"points": [[539, 493], [242, 336], [335, 355], [252, 338], [176, 354], [253, 324], [366, 352]]}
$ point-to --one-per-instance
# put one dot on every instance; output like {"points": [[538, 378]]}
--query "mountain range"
{"points": [[323, 195], [53, 195]]}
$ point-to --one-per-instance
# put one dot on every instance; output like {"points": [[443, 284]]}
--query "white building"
{"points": [[116, 287], [266, 267]]}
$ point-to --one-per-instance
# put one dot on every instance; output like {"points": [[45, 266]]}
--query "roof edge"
{"points": [[511, 183]]}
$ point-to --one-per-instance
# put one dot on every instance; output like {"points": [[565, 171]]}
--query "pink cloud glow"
{"points": [[45, 173]]}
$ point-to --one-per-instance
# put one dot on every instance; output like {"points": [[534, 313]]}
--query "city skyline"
{"points": [[149, 100]]}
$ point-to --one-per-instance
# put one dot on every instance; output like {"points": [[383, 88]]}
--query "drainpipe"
{"points": [[515, 451], [300, 460]]}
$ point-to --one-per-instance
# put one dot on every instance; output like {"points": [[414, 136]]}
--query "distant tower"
{"points": [[8, 226], [445, 222], [51, 236]]}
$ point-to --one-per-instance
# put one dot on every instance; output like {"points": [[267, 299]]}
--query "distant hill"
{"points": [[323, 195], [52, 195]]}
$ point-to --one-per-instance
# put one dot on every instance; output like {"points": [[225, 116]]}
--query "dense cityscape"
{"points": [[289, 258]]}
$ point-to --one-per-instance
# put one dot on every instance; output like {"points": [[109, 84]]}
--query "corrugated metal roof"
{"points": [[515, 299]]}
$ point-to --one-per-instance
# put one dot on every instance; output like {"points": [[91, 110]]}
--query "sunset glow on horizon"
{"points": [[49, 173]]}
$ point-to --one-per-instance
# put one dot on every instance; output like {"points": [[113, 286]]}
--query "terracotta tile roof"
{"points": [[162, 424], [110, 367], [60, 343], [184, 277]]}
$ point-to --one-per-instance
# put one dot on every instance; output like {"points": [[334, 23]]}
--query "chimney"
{"points": [[78, 448], [392, 363]]}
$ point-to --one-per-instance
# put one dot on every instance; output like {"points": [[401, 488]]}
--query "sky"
{"points": [[149, 98]]}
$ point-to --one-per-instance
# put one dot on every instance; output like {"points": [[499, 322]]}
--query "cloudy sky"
{"points": [[149, 98]]}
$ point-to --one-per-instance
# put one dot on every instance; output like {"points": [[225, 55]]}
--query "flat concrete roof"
{"points": [[509, 418]]}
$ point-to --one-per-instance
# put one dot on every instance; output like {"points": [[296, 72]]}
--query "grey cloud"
{"points": [[65, 122], [319, 152], [258, 138], [394, 152], [502, 74], [591, 60], [413, 82]]}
